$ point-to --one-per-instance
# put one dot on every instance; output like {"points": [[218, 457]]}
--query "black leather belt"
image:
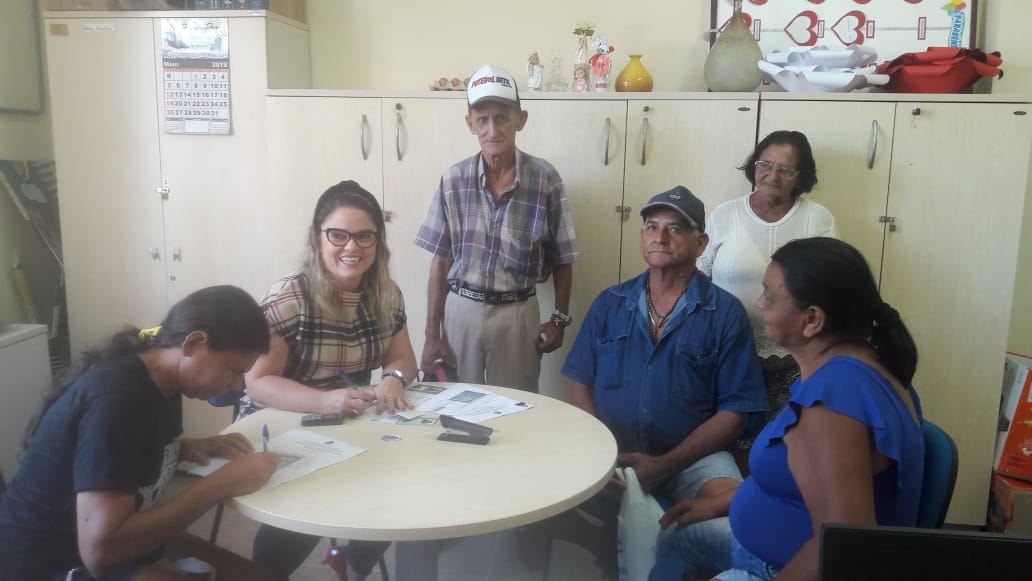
{"points": [[491, 297]]}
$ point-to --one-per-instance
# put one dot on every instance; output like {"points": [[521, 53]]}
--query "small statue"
{"points": [[580, 78], [556, 82], [534, 72], [601, 64]]}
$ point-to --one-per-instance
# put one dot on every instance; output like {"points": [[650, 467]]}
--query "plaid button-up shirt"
{"points": [[504, 245]]}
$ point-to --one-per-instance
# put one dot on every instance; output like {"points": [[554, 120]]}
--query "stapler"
{"points": [[465, 432]]}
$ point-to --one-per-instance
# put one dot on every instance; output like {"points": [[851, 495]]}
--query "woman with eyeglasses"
{"points": [[88, 501], [746, 231], [333, 322]]}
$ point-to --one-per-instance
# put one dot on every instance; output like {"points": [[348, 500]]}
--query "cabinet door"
{"points": [[422, 138], [957, 191], [316, 142], [226, 221], [695, 143], [584, 141], [104, 109], [852, 144]]}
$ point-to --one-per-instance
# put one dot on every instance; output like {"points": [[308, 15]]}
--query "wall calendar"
{"points": [[195, 69]]}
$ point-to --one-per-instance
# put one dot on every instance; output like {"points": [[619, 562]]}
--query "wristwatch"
{"points": [[561, 319], [397, 373]]}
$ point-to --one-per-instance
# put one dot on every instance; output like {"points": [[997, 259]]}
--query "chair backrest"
{"points": [[940, 474]]}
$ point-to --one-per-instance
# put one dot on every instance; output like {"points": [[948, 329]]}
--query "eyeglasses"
{"points": [[340, 237], [783, 171]]}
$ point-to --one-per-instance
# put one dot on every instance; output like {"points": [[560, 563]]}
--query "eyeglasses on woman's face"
{"points": [[783, 171], [341, 237]]}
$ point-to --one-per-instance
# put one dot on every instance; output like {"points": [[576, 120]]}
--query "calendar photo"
{"points": [[195, 69]]}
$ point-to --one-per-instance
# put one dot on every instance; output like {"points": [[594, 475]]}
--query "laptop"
{"points": [[851, 552]]}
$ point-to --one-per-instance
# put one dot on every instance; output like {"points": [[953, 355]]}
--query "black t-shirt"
{"points": [[112, 430]]}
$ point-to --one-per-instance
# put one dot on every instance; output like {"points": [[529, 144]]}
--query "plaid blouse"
{"points": [[505, 245], [329, 351]]}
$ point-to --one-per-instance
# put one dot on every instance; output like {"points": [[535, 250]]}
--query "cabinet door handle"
{"points": [[397, 130], [155, 254], [872, 146], [177, 255], [609, 129], [644, 138], [362, 137]]}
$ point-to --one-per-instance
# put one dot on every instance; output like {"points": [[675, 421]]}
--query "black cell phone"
{"points": [[322, 419]]}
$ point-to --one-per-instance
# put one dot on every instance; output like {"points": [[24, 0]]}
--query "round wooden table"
{"points": [[539, 463]]}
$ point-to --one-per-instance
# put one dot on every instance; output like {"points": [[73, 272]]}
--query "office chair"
{"points": [[940, 475]]}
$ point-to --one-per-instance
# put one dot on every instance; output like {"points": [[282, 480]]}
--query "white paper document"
{"points": [[460, 400], [471, 404], [301, 452]]}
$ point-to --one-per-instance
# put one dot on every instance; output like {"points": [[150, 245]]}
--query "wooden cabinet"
{"points": [[698, 143], [959, 173], [106, 144], [422, 137], [852, 144], [932, 193], [147, 216], [315, 143]]}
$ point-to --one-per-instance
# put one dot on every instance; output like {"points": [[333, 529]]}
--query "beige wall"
{"points": [[398, 44]]}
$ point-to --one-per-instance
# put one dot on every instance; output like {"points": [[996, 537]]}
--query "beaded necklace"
{"points": [[656, 321]]}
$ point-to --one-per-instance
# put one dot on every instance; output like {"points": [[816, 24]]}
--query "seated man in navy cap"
{"points": [[666, 360]]}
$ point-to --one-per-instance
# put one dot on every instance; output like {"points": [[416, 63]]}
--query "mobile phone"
{"points": [[322, 419]]}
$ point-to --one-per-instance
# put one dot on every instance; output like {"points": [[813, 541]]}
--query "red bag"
{"points": [[940, 70]]}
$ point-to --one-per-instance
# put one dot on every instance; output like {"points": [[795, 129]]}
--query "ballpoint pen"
{"points": [[265, 437]]}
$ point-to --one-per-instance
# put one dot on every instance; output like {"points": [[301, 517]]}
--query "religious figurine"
{"points": [[580, 78], [534, 72], [556, 82], [601, 64]]}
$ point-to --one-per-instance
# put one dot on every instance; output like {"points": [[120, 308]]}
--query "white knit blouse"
{"points": [[741, 244]]}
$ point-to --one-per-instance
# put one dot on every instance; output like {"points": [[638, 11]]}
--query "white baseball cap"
{"points": [[491, 83]]}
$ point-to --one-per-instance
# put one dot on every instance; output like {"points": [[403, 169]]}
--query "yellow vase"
{"points": [[634, 77]]}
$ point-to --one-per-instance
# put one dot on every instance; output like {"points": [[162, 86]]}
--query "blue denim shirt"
{"points": [[653, 396]]}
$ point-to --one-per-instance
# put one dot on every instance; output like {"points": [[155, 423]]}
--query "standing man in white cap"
{"points": [[499, 224]]}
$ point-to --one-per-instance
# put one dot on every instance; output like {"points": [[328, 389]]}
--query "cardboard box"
{"points": [[1010, 505], [1014, 437], [294, 9]]}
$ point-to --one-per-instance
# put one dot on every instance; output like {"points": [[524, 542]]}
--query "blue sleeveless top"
{"points": [[768, 515]]}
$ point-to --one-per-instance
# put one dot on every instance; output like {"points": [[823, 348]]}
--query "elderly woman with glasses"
{"points": [[746, 231], [333, 322]]}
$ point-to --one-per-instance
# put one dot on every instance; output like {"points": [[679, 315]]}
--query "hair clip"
{"points": [[149, 335]]}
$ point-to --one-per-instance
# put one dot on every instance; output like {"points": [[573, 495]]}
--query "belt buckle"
{"points": [[507, 298]]}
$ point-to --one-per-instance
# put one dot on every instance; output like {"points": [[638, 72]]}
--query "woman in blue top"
{"points": [[847, 446]]}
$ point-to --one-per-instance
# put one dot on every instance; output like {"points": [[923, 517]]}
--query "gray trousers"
{"points": [[495, 344]]}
